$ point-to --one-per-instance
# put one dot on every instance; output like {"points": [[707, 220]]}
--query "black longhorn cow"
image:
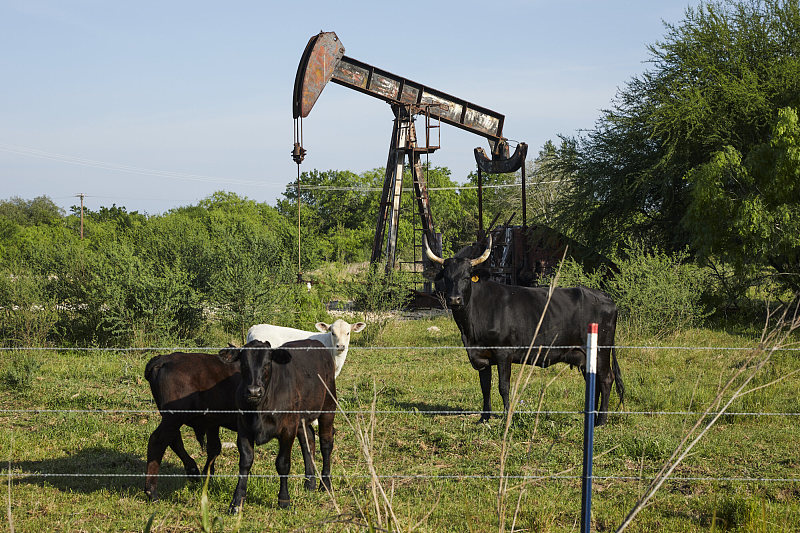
{"points": [[497, 320]]}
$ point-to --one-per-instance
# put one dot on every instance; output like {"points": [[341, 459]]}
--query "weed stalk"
{"points": [[365, 433], [10, 515], [520, 384]]}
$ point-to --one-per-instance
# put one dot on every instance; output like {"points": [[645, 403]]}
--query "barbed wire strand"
{"points": [[18, 474], [410, 189], [452, 412], [371, 348]]}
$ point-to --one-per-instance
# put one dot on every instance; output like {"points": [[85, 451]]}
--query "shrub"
{"points": [[27, 312], [302, 307], [656, 292], [376, 293]]}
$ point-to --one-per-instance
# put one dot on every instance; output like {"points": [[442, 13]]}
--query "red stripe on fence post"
{"points": [[588, 429]]}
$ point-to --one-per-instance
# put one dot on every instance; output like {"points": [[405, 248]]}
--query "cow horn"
{"points": [[432, 256], [485, 255]]}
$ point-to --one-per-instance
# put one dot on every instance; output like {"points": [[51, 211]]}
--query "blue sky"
{"points": [[155, 105]]}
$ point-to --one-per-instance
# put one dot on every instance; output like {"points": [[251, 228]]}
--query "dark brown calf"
{"points": [[188, 388]]}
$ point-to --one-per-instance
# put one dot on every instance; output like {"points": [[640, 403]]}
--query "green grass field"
{"points": [[79, 469]]}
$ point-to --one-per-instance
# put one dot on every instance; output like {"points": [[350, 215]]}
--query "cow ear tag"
{"points": [[475, 279]]}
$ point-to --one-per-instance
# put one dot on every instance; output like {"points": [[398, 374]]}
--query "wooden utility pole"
{"points": [[81, 195]]}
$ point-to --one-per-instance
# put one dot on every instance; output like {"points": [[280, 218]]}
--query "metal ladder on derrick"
{"points": [[421, 195], [404, 144]]}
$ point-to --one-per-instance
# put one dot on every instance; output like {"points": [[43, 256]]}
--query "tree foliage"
{"points": [[40, 210], [746, 209], [338, 213], [714, 87]]}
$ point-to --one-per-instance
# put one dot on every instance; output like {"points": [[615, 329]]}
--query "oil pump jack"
{"points": [[323, 60]]}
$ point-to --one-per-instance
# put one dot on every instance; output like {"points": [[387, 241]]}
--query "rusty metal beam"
{"points": [[323, 60], [395, 89]]}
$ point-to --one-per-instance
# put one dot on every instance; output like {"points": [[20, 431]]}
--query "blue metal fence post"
{"points": [[588, 429]]}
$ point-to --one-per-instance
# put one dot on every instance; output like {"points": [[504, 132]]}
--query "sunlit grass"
{"points": [[454, 457]]}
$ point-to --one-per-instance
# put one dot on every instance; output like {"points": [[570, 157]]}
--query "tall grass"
{"points": [[381, 513], [774, 337]]}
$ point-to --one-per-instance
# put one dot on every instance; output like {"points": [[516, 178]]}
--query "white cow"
{"points": [[335, 336]]}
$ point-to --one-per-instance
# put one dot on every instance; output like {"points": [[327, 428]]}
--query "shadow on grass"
{"points": [[95, 469], [431, 409]]}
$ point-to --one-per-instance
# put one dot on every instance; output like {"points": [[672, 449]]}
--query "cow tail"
{"points": [[150, 368], [617, 376], [151, 375]]}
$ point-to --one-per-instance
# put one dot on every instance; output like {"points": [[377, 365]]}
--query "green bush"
{"points": [[27, 312], [296, 306], [135, 280], [657, 293], [375, 294], [572, 274], [242, 293]]}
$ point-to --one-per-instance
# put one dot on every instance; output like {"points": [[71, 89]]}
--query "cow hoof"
{"points": [[152, 495], [284, 504], [234, 509], [311, 485]]}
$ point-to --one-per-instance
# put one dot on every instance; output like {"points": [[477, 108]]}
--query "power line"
{"points": [[33, 152], [410, 189], [104, 165]]}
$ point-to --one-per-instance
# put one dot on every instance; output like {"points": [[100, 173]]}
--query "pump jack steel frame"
{"points": [[323, 60], [403, 143]]}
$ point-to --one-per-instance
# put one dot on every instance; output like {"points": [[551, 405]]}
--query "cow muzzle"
{"points": [[254, 394], [455, 301]]}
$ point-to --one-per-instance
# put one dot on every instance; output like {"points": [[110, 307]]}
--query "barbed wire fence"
{"points": [[17, 473]]}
